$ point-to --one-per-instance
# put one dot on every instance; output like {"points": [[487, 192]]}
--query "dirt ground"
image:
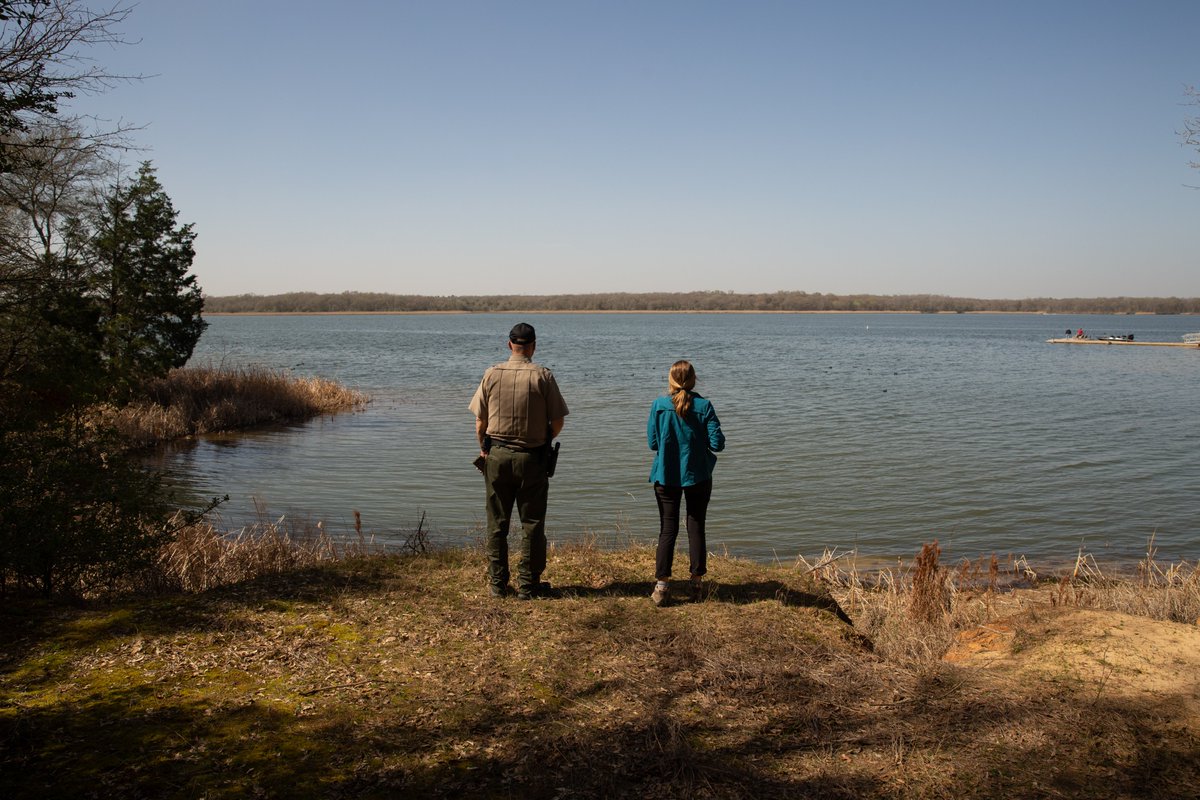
{"points": [[1142, 661]]}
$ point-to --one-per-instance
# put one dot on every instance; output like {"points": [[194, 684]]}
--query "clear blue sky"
{"points": [[985, 149]]}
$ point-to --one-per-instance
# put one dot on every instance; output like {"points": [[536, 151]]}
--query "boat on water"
{"points": [[1191, 340]]}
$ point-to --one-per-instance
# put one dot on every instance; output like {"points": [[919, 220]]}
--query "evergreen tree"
{"points": [[149, 303]]}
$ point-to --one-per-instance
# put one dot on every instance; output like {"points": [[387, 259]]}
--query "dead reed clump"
{"points": [[1169, 592], [197, 400], [201, 557], [912, 615], [930, 597]]}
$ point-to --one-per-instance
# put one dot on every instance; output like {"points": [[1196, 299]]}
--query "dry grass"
{"points": [[196, 400], [914, 612], [201, 557], [1168, 592], [911, 613], [399, 676]]}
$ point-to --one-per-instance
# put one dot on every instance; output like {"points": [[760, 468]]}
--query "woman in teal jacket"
{"points": [[684, 433]]}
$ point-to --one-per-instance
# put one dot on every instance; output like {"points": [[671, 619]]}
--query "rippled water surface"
{"points": [[866, 431]]}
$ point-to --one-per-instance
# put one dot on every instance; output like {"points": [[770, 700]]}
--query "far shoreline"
{"points": [[680, 311]]}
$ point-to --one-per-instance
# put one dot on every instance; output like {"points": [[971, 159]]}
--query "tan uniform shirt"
{"points": [[518, 399]]}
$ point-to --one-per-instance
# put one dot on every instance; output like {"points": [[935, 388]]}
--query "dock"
{"points": [[1073, 340]]}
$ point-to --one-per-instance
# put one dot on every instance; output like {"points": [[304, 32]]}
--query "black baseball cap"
{"points": [[522, 333]]}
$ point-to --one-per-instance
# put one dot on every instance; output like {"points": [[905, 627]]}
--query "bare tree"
{"points": [[1190, 135], [60, 168], [43, 61]]}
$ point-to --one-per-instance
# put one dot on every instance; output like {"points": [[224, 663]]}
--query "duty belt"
{"points": [[516, 448]]}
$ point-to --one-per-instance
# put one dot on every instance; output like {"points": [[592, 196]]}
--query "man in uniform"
{"points": [[518, 411]]}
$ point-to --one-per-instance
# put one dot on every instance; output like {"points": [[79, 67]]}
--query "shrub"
{"points": [[74, 509]]}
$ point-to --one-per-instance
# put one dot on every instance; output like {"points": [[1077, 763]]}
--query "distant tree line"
{"points": [[368, 302]]}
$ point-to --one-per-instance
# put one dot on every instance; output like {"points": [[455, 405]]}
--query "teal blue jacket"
{"points": [[683, 448]]}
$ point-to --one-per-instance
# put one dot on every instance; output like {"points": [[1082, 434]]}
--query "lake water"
{"points": [[873, 432]]}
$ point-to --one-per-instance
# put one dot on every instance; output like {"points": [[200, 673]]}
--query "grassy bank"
{"points": [[197, 400], [343, 675]]}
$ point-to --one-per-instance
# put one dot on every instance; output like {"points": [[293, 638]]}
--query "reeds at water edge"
{"points": [[913, 612], [197, 400], [202, 556]]}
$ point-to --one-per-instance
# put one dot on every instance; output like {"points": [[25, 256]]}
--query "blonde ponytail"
{"points": [[681, 380]]}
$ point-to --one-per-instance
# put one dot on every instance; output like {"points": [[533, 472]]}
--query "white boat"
{"points": [[1192, 338]]}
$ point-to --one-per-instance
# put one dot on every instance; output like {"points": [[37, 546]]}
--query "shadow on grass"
{"points": [[792, 743], [807, 748], [27, 625], [690, 722], [627, 702], [738, 593], [131, 742]]}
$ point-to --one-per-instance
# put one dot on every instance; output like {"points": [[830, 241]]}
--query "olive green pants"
{"points": [[519, 478]]}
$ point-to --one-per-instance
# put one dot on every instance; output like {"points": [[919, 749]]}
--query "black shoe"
{"points": [[500, 590]]}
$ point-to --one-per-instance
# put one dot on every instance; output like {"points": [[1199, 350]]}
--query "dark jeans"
{"points": [[519, 478], [669, 498]]}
